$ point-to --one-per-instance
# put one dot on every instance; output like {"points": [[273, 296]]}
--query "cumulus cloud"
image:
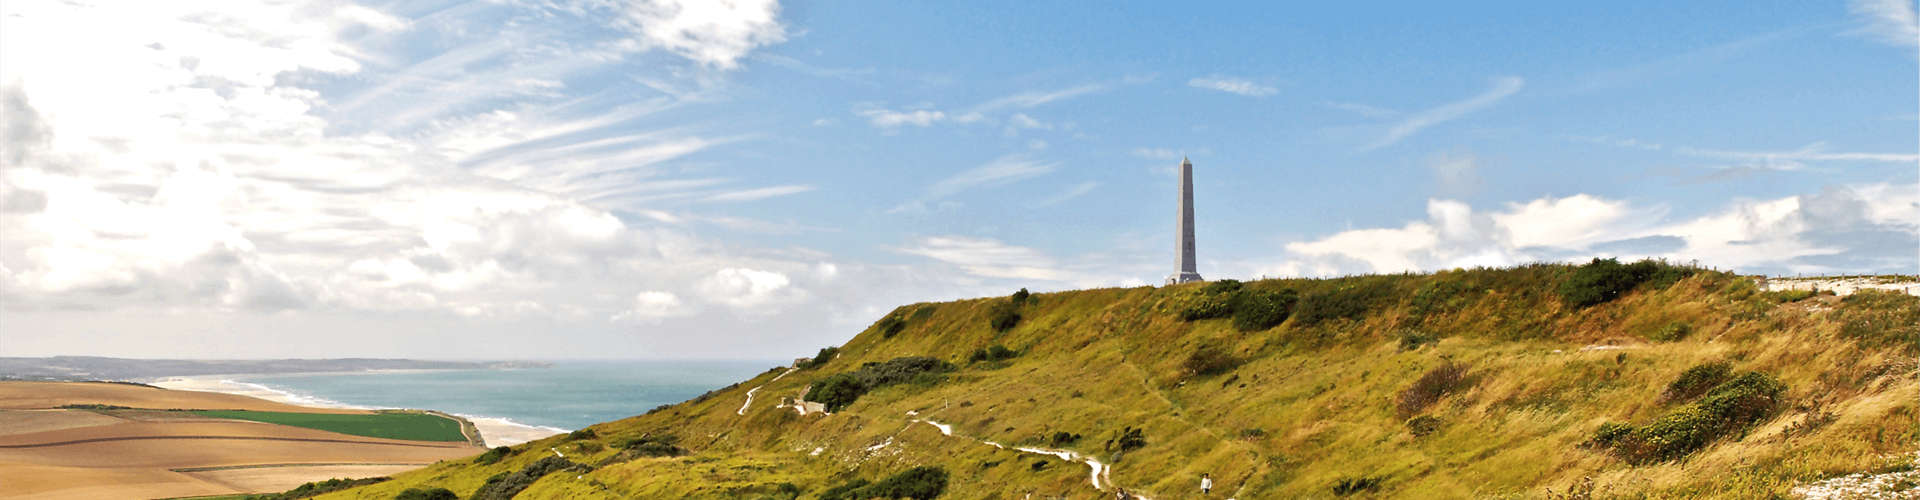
{"points": [[1232, 85], [1502, 88], [655, 306], [750, 292], [716, 33], [1870, 228]]}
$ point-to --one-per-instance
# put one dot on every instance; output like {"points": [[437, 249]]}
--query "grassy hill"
{"points": [[1640, 381]]}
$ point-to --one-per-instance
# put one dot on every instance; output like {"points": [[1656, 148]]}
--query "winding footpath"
{"points": [[749, 404]]}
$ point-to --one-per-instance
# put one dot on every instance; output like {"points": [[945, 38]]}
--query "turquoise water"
{"points": [[572, 395]]}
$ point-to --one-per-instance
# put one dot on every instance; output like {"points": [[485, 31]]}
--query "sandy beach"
{"points": [[495, 431]]}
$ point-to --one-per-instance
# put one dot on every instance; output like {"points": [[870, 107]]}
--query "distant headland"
{"points": [[83, 368]]}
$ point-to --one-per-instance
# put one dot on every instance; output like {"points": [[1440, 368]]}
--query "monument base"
{"points": [[1175, 279]]}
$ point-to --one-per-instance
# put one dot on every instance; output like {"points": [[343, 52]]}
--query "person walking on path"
{"points": [[1206, 484], [1122, 495]]}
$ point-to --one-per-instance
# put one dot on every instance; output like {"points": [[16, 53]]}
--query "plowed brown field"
{"points": [[83, 454]]}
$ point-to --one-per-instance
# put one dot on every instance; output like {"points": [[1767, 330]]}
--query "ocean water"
{"points": [[572, 395]]}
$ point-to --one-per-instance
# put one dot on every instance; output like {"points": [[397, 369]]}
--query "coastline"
{"points": [[493, 430]]}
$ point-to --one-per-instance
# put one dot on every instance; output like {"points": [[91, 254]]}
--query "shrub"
{"points": [[494, 456], [1349, 486], [1020, 297], [826, 354], [1128, 439], [1673, 332], [1352, 301], [664, 445], [582, 434], [314, 489], [1256, 310], [995, 352], [1732, 407], [514, 483], [1208, 306], [1209, 360], [1439, 296], [1696, 381], [1411, 340], [1253, 434], [1437, 382], [1222, 287], [890, 326], [1606, 279], [1063, 438], [841, 389], [1005, 317], [426, 494], [919, 483]]}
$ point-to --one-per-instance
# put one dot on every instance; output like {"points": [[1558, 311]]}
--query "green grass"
{"points": [[1304, 407], [392, 425]]}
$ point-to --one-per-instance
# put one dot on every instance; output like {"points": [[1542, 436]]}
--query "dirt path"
{"points": [[743, 408]]}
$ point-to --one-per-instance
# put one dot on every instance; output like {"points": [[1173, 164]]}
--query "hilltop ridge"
{"points": [[1640, 380]]}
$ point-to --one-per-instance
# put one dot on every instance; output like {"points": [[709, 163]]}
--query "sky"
{"points": [[753, 179]]}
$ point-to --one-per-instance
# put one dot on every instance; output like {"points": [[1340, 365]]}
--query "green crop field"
{"points": [[409, 426]]}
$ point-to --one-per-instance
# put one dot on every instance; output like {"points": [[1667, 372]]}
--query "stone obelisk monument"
{"points": [[1183, 260]]}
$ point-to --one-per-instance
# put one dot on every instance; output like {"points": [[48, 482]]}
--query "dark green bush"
{"points": [[1696, 381], [1673, 332], [995, 352], [314, 489], [507, 487], [1437, 382], [426, 494], [1222, 287], [1209, 360], [841, 389], [1349, 486], [494, 456], [1347, 302], [1440, 296], [1063, 438], [919, 483], [1256, 310], [1732, 407], [1208, 306], [826, 354], [1606, 279], [665, 445], [890, 326], [1020, 297], [582, 434], [1005, 317], [1128, 439]]}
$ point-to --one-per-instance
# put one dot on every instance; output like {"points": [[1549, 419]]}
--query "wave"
{"points": [[508, 421]]}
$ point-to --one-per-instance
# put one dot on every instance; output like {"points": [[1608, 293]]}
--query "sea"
{"points": [[571, 395]]}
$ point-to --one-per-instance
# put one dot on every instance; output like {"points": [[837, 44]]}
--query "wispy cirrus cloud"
{"points": [[1892, 22], [1070, 193], [1232, 85], [1036, 98], [886, 118], [988, 257], [1502, 88], [1000, 172]]}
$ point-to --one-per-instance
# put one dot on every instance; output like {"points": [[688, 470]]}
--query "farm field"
{"points": [[411, 426], [47, 452]]}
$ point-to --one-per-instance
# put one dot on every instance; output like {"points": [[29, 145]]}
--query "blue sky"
{"points": [[753, 179]]}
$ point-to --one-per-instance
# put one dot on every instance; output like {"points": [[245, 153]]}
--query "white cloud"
{"points": [[1022, 121], [750, 292], [988, 257], [1501, 89], [655, 306], [1036, 98], [1000, 172], [1893, 22], [1812, 152], [715, 33], [1070, 193], [890, 119], [761, 193], [1234, 85], [1869, 228]]}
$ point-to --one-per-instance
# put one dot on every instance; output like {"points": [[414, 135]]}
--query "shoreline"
{"points": [[494, 431]]}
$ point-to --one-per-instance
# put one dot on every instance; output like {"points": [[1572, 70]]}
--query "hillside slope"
{"points": [[1483, 383]]}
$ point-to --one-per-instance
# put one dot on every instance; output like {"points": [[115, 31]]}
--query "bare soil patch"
{"points": [[27, 421]]}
